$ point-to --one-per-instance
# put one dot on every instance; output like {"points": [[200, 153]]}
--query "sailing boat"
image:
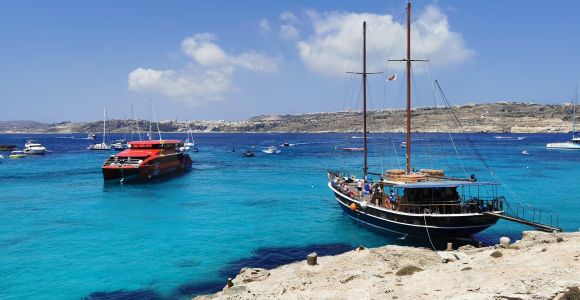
{"points": [[189, 143], [103, 145], [575, 142], [422, 203]]}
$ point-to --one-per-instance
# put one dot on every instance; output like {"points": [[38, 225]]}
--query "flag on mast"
{"points": [[392, 77]]}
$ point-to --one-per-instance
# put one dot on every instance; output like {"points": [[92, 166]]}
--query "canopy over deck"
{"points": [[436, 184]]}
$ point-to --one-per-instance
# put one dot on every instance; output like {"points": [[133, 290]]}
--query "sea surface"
{"points": [[65, 234]]}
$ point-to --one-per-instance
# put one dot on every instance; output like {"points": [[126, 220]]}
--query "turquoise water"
{"points": [[64, 234]]}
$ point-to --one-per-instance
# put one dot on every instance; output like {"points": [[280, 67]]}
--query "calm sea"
{"points": [[64, 234]]}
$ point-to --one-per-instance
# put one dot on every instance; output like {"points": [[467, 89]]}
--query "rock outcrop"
{"points": [[540, 266]]}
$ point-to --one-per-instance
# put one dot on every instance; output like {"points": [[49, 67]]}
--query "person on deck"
{"points": [[359, 187]]}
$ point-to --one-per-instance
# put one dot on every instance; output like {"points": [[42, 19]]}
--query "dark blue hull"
{"points": [[419, 225]]}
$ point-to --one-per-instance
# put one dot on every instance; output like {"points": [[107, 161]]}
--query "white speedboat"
{"points": [[271, 150], [101, 146], [34, 147], [573, 144], [120, 145]]}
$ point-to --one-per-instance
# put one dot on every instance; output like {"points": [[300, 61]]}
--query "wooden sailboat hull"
{"points": [[419, 225]]}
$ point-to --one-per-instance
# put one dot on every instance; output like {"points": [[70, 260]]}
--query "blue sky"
{"points": [[65, 60]]}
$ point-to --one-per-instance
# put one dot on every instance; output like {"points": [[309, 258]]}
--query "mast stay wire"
{"points": [[479, 156]]}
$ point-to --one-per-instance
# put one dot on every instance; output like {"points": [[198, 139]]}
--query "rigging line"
{"points": [[156, 121], [418, 96], [479, 156], [396, 154], [461, 126], [349, 87]]}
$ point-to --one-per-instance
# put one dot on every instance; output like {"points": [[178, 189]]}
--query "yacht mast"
{"points": [[574, 103], [364, 75], [104, 123], [408, 87]]}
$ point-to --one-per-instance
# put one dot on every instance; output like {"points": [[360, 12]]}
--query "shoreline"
{"points": [[539, 266], [500, 117]]}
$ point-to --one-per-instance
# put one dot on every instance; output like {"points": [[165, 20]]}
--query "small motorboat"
{"points": [[34, 147], [119, 145], [249, 153], [17, 154], [352, 149], [525, 152], [286, 144], [271, 150], [101, 146], [91, 136]]}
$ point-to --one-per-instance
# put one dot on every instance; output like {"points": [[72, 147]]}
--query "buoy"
{"points": [[352, 206], [364, 204]]}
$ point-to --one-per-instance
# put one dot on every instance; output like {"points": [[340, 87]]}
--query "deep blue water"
{"points": [[64, 234]]}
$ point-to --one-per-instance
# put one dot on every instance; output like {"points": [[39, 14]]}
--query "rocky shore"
{"points": [[540, 266], [500, 117]]}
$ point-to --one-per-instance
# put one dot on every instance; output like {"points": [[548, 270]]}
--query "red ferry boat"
{"points": [[147, 160]]}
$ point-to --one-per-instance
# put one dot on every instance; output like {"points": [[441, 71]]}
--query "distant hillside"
{"points": [[502, 117]]}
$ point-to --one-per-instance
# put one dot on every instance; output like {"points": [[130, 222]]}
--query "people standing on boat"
{"points": [[359, 187]]}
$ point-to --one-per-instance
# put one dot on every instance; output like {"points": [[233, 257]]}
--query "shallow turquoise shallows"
{"points": [[64, 234]]}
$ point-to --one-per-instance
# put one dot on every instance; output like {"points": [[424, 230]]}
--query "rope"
{"points": [[429, 236]]}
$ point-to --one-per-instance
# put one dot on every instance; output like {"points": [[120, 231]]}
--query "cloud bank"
{"points": [[208, 76], [329, 49]]}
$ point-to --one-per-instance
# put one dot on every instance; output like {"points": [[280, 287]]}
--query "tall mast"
{"points": [[104, 122], [574, 103], [408, 87], [364, 75]]}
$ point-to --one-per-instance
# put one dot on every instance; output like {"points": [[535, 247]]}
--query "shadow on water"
{"points": [[124, 295], [266, 257]]}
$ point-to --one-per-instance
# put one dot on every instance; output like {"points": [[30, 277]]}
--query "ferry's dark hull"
{"points": [[419, 225], [157, 167]]}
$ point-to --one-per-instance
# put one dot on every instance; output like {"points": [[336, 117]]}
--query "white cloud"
{"points": [[265, 27], [288, 17], [329, 50], [288, 29], [289, 32], [201, 48], [257, 62], [208, 77], [188, 87]]}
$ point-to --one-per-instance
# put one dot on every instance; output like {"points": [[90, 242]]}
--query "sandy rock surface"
{"points": [[540, 266]]}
